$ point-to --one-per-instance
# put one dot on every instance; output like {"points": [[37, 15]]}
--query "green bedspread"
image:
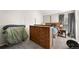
{"points": [[15, 35]]}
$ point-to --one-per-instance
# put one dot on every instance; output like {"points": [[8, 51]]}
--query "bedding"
{"points": [[12, 34], [2, 41]]}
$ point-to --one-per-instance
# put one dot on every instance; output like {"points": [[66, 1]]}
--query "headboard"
{"points": [[7, 26]]}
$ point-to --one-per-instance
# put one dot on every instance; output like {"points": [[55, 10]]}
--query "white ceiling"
{"points": [[47, 12]]}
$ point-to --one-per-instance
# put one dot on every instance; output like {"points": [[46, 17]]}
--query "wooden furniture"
{"points": [[41, 35], [51, 24], [61, 32]]}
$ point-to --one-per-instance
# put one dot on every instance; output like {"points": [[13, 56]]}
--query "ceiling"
{"points": [[47, 12]]}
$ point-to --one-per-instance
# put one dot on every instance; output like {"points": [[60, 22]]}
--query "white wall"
{"points": [[50, 12], [11, 17], [77, 24], [31, 16], [26, 17]]}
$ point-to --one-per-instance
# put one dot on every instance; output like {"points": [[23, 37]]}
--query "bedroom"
{"points": [[35, 17]]}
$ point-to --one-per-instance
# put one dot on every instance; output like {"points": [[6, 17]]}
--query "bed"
{"points": [[12, 34]]}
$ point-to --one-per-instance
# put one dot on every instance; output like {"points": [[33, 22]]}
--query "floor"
{"points": [[28, 44], [58, 43]]}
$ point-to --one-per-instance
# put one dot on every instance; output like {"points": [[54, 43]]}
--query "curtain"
{"points": [[61, 19], [71, 24]]}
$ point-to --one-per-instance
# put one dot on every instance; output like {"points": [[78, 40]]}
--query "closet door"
{"points": [[47, 19]]}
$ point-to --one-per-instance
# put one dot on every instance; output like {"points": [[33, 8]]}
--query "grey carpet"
{"points": [[58, 43]]}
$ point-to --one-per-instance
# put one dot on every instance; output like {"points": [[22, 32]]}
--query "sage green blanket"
{"points": [[15, 35]]}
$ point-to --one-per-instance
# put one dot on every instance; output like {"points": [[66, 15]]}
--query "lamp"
{"points": [[61, 25]]}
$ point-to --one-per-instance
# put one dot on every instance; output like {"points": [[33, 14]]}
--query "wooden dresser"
{"points": [[41, 35]]}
